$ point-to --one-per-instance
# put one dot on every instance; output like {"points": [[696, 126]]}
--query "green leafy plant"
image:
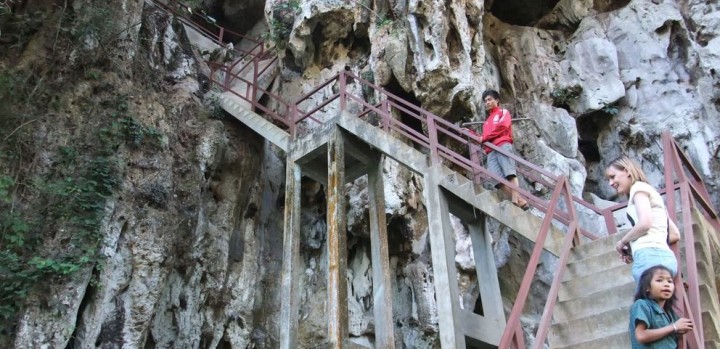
{"points": [[383, 21], [215, 109], [60, 232], [289, 6], [610, 108], [281, 22], [563, 97]]}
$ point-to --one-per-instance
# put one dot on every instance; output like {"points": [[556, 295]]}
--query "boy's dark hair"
{"points": [[644, 285], [492, 93]]}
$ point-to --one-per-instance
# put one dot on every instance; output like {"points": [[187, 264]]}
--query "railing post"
{"points": [[293, 117], [385, 115], [476, 159], [343, 86], [254, 88], [221, 34], [228, 77], [609, 221], [514, 318], [432, 134], [691, 261], [670, 167], [571, 239]]}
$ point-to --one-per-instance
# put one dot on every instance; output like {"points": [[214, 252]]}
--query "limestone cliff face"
{"points": [[190, 238]]}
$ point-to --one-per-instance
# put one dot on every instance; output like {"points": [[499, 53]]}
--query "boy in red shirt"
{"points": [[497, 130]]}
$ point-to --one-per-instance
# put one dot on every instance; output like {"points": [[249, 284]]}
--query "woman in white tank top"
{"points": [[648, 238]]}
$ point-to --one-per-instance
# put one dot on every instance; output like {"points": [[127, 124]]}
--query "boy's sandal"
{"points": [[523, 207]]}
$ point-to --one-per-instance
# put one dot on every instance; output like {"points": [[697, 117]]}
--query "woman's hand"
{"points": [[624, 251], [684, 325]]}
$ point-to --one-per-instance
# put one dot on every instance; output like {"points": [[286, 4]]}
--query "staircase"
{"points": [[597, 292], [594, 300], [594, 295], [490, 203]]}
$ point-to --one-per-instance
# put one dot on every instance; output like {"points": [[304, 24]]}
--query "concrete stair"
{"points": [[594, 299], [597, 291], [524, 223], [238, 108]]}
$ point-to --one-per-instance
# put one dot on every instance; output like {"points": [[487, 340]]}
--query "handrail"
{"points": [[220, 38], [571, 239], [677, 165], [445, 141]]}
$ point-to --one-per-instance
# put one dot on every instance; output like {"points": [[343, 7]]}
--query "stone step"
{"points": [[593, 327], [711, 325], [254, 121], [594, 248], [613, 341], [605, 280], [712, 344], [594, 264], [594, 303], [709, 298], [469, 186]]}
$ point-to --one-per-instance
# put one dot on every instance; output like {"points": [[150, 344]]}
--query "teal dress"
{"points": [[649, 312]]}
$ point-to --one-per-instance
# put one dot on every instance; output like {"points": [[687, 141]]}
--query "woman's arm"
{"points": [[673, 232], [642, 205]]}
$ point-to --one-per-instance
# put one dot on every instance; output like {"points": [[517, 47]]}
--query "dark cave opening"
{"points": [[472, 343], [589, 127], [410, 121], [238, 19], [521, 12], [609, 5]]}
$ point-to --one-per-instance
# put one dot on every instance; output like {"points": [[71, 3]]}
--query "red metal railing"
{"points": [[438, 138], [692, 194], [446, 143]]}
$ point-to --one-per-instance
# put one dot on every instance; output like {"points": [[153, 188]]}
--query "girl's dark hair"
{"points": [[644, 285]]}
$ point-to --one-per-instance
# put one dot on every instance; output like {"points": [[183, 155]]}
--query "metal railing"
{"points": [[681, 174], [446, 143]]}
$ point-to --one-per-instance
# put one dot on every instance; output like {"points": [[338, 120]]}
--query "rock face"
{"points": [[190, 238]]}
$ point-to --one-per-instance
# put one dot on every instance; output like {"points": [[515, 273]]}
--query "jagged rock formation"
{"points": [[191, 236]]}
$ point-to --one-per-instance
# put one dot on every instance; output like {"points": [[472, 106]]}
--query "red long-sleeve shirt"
{"points": [[497, 128]]}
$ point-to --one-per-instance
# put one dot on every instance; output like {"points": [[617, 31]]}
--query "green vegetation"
{"points": [[610, 108], [51, 220], [383, 21], [563, 97], [67, 114], [281, 22]]}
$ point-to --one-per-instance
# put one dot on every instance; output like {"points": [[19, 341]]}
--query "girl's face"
{"points": [[619, 179], [661, 286]]}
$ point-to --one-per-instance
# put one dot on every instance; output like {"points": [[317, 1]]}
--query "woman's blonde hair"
{"points": [[627, 164]]}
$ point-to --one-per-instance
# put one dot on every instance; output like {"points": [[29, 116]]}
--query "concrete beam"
{"points": [[382, 286], [290, 293], [442, 248], [482, 328], [336, 243], [385, 143], [490, 294]]}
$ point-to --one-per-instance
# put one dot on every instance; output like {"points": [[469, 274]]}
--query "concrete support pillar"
{"points": [[290, 293], [382, 297], [336, 243], [442, 247], [486, 271]]}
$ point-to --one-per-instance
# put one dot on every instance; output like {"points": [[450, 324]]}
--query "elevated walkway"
{"points": [[350, 144]]}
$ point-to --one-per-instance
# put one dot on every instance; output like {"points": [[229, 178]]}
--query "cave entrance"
{"points": [[521, 12], [396, 89], [589, 127]]}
